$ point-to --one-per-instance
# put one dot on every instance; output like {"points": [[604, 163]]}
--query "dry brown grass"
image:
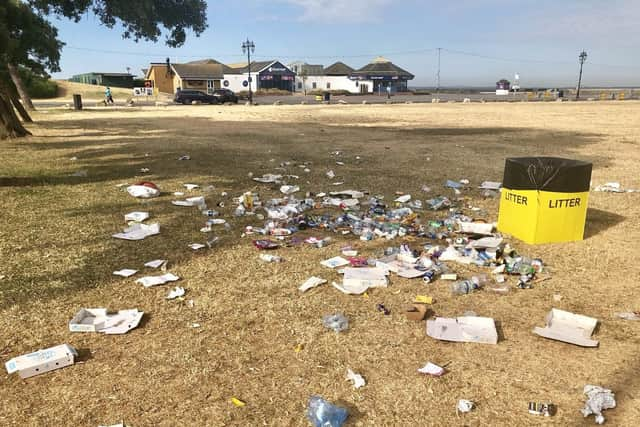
{"points": [[57, 256]]}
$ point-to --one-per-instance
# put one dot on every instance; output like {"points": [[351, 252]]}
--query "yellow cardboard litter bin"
{"points": [[544, 199]]}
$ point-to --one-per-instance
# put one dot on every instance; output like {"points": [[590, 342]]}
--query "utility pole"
{"points": [[582, 58], [249, 47], [438, 75]]}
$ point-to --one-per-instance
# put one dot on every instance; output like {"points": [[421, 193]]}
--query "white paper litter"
{"points": [[610, 187], [268, 178], [310, 283], [431, 369], [41, 361], [357, 379], [485, 243], [342, 202], [149, 281], [99, 320], [464, 405], [490, 185], [197, 246], [373, 277], [125, 272], [629, 315], [475, 227], [191, 201], [136, 216], [598, 399], [474, 329], [176, 292], [568, 327], [191, 186], [351, 193], [138, 231], [155, 263], [142, 191], [335, 262], [403, 199], [331, 174], [289, 189]]}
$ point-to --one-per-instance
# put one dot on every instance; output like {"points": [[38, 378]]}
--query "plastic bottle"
{"points": [[240, 211], [270, 258], [463, 287], [325, 414]]}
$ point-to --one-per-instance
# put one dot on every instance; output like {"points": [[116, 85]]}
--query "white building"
{"points": [[380, 75], [264, 75]]}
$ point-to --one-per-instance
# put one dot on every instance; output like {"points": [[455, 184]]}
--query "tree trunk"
{"points": [[18, 105], [10, 126], [22, 91]]}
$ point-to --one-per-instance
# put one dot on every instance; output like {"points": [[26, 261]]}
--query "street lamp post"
{"points": [[249, 47], [582, 58]]}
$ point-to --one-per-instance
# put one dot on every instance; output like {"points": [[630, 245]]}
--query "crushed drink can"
{"points": [[545, 409]]}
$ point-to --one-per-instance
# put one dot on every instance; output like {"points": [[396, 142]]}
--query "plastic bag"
{"points": [[338, 322], [325, 414]]}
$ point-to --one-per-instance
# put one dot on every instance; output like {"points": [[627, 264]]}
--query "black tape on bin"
{"points": [[547, 174]]}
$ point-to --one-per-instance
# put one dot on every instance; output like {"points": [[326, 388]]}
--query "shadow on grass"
{"points": [[599, 221]]}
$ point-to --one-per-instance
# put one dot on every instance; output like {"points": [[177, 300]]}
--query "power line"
{"points": [[177, 55], [147, 55]]}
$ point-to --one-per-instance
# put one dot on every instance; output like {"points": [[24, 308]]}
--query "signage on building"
{"points": [[281, 69], [142, 91], [245, 83], [148, 83], [225, 83]]}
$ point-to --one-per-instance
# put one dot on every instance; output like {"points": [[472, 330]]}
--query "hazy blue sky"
{"points": [[482, 40]]}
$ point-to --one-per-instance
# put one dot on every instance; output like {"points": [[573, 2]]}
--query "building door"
{"points": [[364, 88], [210, 86]]}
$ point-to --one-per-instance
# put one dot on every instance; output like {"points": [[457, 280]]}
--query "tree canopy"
{"points": [[141, 19], [28, 39]]}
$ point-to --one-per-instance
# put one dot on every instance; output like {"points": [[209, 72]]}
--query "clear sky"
{"points": [[481, 40]]}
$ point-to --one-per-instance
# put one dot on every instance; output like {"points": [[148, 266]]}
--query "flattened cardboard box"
{"points": [[99, 320], [42, 361], [463, 329], [569, 327]]}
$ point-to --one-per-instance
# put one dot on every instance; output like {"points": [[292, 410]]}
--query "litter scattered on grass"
{"points": [[432, 369], [336, 322], [156, 263], [138, 231], [176, 292], [322, 413], [237, 402], [598, 399], [357, 379], [42, 361], [149, 281], [474, 329], [136, 216], [568, 327], [99, 320], [144, 190], [335, 262], [125, 272], [464, 406], [311, 282]]}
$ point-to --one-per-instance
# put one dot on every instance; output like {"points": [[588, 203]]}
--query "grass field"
{"points": [[58, 256]]}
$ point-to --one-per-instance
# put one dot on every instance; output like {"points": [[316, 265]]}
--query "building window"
{"points": [[328, 85], [299, 85], [357, 83], [314, 85]]}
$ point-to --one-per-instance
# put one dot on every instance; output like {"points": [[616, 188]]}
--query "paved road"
{"points": [[309, 99]]}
